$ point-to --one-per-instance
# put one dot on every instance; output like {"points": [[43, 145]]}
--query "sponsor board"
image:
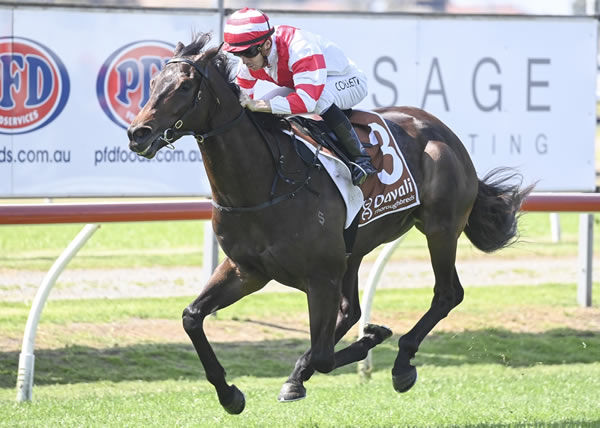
{"points": [[79, 76]]}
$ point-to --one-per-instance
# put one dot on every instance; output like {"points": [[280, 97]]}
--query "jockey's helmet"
{"points": [[245, 28]]}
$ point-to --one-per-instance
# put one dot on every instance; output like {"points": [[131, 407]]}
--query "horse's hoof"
{"points": [[237, 403], [381, 332], [291, 392], [405, 381]]}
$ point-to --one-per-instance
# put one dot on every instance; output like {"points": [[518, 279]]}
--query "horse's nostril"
{"points": [[139, 133]]}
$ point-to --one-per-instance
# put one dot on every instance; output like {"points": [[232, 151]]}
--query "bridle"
{"points": [[173, 133]]}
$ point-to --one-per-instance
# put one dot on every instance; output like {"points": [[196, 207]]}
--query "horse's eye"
{"points": [[186, 86]]}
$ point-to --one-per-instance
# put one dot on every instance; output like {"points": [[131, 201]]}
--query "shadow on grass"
{"points": [[276, 358]]}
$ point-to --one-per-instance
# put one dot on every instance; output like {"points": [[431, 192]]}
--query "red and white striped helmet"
{"points": [[244, 28]]}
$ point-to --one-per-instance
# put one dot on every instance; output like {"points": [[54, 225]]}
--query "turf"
{"points": [[491, 363]]}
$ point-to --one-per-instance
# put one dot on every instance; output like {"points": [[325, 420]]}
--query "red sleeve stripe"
{"points": [[313, 91], [309, 63], [245, 83], [296, 104]]}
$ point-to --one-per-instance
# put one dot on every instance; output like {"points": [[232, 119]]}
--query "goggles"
{"points": [[251, 52]]}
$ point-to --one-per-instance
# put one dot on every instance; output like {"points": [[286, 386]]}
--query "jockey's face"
{"points": [[260, 59]]}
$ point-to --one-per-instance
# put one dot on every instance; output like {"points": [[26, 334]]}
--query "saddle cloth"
{"points": [[393, 189], [339, 172]]}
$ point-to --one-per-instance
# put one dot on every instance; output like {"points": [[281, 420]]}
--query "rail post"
{"points": [[586, 259], [27, 357], [211, 251]]}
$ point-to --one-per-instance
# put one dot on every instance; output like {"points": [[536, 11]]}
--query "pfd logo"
{"points": [[123, 84], [34, 85]]}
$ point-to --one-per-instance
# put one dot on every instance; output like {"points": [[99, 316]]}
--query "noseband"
{"points": [[170, 135]]}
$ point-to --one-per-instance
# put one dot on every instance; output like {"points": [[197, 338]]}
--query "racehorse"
{"points": [[279, 217]]}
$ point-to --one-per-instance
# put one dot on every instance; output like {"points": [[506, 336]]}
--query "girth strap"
{"points": [[258, 207]]}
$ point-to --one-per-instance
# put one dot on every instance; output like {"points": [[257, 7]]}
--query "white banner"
{"points": [[519, 92]]}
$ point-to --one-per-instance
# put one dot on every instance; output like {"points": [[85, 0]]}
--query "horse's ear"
{"points": [[178, 48]]}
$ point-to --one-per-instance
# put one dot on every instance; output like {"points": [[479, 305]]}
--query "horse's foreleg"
{"points": [[448, 293], [373, 335], [324, 300], [348, 315], [226, 286], [293, 389]]}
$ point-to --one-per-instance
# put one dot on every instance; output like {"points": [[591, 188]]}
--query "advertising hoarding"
{"points": [[519, 92]]}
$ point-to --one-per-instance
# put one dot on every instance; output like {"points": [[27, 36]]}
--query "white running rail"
{"points": [[27, 358]]}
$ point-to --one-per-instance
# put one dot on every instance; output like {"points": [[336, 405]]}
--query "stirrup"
{"points": [[359, 174]]}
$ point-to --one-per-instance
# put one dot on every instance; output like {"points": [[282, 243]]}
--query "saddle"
{"points": [[314, 129], [393, 188]]}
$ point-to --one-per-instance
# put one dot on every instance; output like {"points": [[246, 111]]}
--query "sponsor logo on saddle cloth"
{"points": [[394, 189]]}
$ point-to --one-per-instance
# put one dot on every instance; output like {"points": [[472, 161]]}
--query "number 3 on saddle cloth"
{"points": [[392, 189]]}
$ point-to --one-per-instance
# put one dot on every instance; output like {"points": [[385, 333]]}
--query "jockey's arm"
{"points": [[246, 83], [307, 65]]}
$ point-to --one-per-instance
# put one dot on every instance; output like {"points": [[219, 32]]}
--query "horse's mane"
{"points": [[214, 55], [222, 62]]}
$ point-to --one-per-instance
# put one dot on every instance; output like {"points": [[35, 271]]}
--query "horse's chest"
{"points": [[245, 243], [272, 254]]}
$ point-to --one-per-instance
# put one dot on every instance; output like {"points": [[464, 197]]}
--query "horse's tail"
{"points": [[492, 224]]}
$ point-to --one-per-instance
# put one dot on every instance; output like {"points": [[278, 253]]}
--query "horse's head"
{"points": [[181, 98]]}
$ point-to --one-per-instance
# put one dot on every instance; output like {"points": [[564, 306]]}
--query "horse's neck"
{"points": [[239, 165]]}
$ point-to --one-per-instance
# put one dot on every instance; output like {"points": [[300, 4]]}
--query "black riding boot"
{"points": [[361, 165]]}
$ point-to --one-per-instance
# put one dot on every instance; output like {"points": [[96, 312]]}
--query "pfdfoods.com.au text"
{"points": [[123, 155]]}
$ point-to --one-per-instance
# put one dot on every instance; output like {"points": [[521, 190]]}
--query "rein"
{"points": [[170, 135]]}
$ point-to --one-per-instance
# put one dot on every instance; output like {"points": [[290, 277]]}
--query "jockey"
{"points": [[313, 75]]}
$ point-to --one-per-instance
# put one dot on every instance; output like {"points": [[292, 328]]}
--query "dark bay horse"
{"points": [[290, 229]]}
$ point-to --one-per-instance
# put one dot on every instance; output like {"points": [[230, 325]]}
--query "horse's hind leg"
{"points": [[449, 190], [442, 236], [448, 293], [227, 285]]}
